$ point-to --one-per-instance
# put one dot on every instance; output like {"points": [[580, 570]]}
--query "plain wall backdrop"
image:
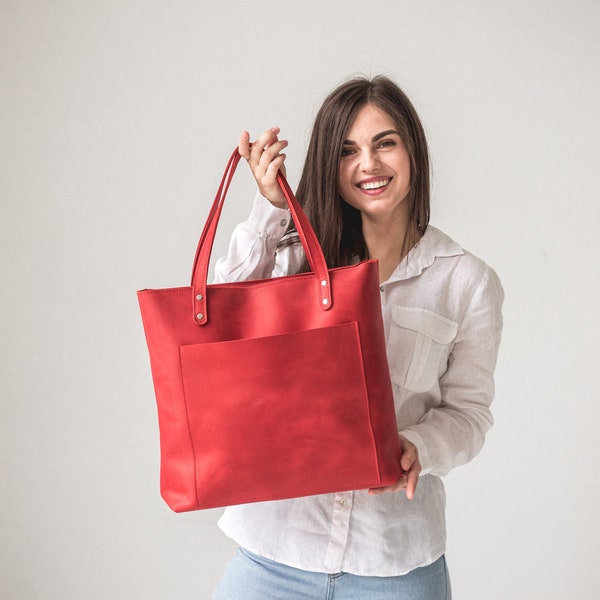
{"points": [[117, 117]]}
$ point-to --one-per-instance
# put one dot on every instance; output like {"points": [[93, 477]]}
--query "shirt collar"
{"points": [[432, 245]]}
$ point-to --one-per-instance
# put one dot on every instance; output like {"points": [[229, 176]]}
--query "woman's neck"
{"points": [[388, 242]]}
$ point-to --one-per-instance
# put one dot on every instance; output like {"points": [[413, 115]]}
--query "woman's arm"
{"points": [[453, 433], [253, 249], [253, 252]]}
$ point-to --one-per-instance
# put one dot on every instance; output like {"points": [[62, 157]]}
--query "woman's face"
{"points": [[374, 174]]}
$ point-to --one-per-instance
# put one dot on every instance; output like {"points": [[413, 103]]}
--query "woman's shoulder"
{"points": [[436, 252], [441, 245], [459, 267]]}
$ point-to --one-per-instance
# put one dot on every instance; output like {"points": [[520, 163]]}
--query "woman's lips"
{"points": [[373, 185]]}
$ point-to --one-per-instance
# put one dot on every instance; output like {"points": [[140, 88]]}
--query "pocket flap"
{"points": [[431, 324]]}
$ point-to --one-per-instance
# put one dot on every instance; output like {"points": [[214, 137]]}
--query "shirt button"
{"points": [[343, 502], [381, 289], [283, 222]]}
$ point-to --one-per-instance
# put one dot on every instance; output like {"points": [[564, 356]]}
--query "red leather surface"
{"points": [[269, 395]]}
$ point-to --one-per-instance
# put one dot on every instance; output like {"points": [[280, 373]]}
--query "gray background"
{"points": [[117, 119]]}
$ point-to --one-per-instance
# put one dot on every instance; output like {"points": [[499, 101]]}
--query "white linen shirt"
{"points": [[442, 317]]}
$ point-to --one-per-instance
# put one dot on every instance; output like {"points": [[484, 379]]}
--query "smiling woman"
{"points": [[374, 179], [375, 166], [365, 188], [334, 144]]}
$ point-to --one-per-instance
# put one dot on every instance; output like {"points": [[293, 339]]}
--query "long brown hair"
{"points": [[338, 225]]}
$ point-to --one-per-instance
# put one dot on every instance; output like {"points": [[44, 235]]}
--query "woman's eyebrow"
{"points": [[383, 134], [374, 138]]}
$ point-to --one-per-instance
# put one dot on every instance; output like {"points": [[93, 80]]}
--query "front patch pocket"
{"points": [[420, 340], [286, 413]]}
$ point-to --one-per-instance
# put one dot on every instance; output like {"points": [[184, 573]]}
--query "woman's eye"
{"points": [[347, 151], [387, 143]]}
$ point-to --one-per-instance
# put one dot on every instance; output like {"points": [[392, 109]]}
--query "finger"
{"points": [[244, 145], [271, 136], [267, 139], [399, 485], [272, 153], [275, 132], [409, 456], [411, 485], [379, 491], [274, 166]]}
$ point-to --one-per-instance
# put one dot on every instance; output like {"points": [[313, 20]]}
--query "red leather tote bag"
{"points": [[272, 388]]}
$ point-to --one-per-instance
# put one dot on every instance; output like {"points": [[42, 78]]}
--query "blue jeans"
{"points": [[252, 577]]}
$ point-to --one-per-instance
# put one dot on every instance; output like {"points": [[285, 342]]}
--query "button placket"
{"points": [[338, 535]]}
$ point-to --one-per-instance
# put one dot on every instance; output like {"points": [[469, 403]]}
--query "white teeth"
{"points": [[373, 185]]}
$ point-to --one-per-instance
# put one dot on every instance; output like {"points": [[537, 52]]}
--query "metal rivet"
{"points": [[323, 283], [325, 301], [199, 316], [199, 297]]}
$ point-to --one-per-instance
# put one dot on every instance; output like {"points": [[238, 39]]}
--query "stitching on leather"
{"points": [[187, 420], [366, 394]]}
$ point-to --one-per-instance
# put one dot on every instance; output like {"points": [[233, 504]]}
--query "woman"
{"points": [[365, 187]]}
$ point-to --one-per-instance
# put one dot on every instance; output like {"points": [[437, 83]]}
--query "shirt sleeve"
{"points": [[253, 250], [452, 433]]}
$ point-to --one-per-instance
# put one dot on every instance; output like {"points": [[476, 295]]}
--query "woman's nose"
{"points": [[369, 161]]}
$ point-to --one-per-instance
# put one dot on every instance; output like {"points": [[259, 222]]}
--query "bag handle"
{"points": [[307, 235]]}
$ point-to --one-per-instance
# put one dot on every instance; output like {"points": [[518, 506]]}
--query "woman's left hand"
{"points": [[411, 467]]}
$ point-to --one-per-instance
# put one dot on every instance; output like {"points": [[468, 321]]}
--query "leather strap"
{"points": [[308, 238]]}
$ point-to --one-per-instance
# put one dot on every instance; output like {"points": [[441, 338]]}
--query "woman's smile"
{"points": [[374, 172], [374, 185]]}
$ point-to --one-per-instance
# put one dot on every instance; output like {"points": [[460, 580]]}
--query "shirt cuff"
{"points": [[269, 220]]}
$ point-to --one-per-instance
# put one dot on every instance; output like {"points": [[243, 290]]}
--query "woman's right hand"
{"points": [[265, 160]]}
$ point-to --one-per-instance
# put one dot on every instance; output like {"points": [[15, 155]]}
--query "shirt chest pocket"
{"points": [[418, 347]]}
